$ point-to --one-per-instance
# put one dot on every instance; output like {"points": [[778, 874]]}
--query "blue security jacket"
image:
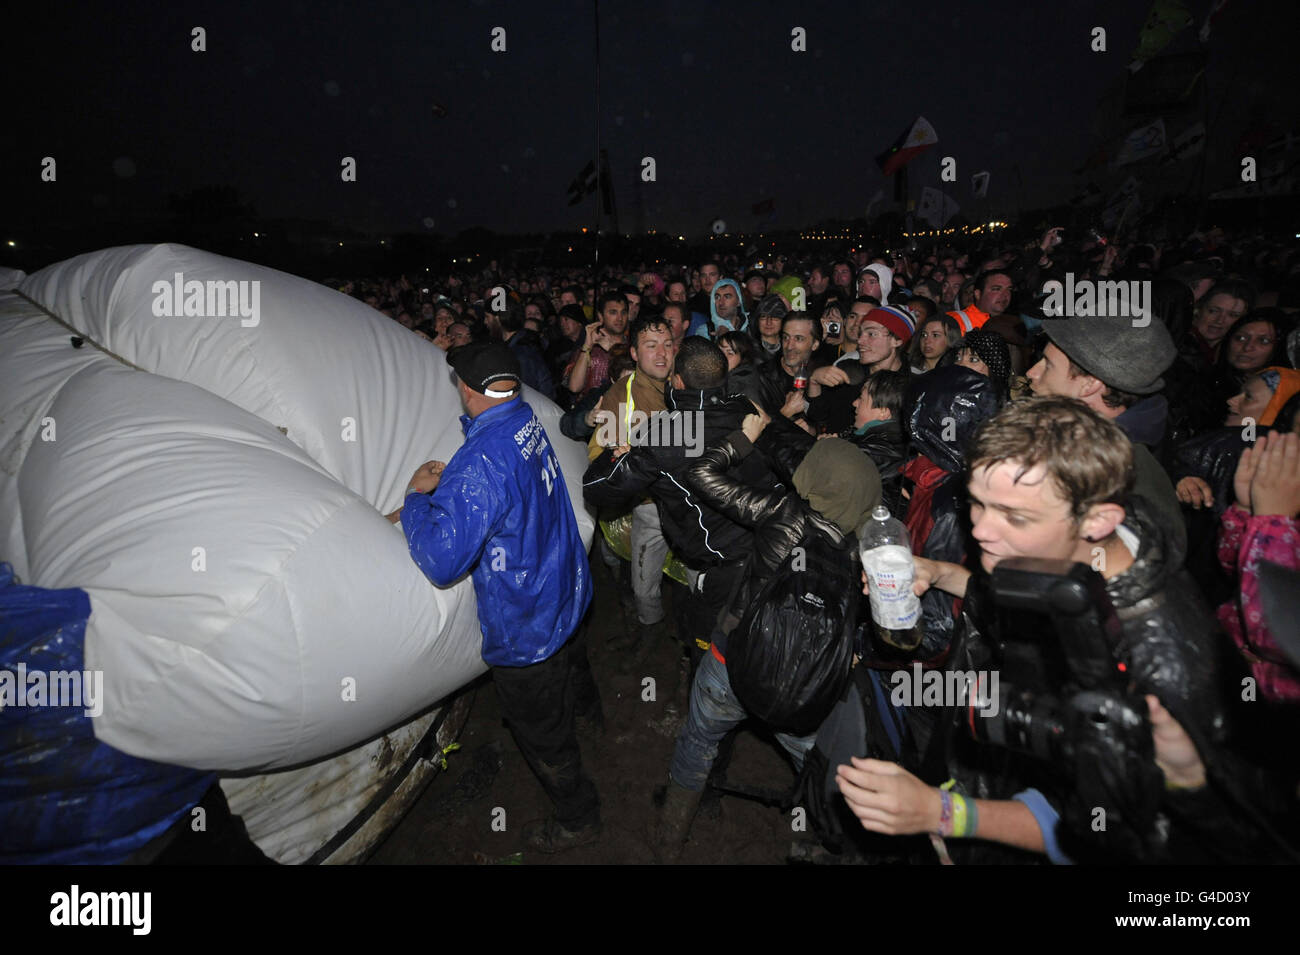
{"points": [[501, 509]]}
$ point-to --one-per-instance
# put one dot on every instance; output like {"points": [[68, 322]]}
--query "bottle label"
{"points": [[890, 573]]}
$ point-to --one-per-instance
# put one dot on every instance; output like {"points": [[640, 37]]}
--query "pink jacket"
{"points": [[1243, 542]]}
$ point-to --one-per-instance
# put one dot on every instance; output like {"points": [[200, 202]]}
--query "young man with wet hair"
{"points": [[1050, 478]]}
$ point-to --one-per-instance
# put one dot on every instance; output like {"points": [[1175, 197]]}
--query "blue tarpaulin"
{"points": [[65, 797]]}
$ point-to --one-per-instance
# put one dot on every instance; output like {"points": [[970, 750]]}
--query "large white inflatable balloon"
{"points": [[212, 467]]}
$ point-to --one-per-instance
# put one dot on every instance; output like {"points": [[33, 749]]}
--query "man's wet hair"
{"points": [[1232, 287], [888, 389], [700, 363], [803, 317], [645, 323], [606, 298], [982, 279], [1087, 457], [680, 307]]}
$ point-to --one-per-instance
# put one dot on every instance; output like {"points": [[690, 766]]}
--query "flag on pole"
{"points": [[979, 184], [1166, 19], [584, 184], [1148, 140], [935, 207], [915, 140]]}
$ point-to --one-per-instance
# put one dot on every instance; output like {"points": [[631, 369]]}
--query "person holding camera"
{"points": [[1049, 478]]}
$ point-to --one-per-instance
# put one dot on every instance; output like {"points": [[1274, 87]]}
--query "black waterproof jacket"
{"points": [[945, 408], [698, 533], [1212, 457], [778, 518], [1168, 646], [883, 444]]}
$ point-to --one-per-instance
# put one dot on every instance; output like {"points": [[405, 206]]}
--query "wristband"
{"points": [[411, 490], [958, 816], [945, 812], [963, 817]]}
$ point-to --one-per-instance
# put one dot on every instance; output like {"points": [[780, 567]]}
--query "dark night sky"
{"points": [[711, 91]]}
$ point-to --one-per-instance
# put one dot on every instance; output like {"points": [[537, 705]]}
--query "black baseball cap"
{"points": [[482, 364]]}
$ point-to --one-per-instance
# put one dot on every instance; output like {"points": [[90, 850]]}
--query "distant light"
{"points": [[12, 243], [340, 243], [584, 232], [256, 235], [681, 238]]}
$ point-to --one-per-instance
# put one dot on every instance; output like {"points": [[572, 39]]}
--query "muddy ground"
{"points": [[452, 822]]}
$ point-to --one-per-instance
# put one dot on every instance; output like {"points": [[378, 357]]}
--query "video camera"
{"points": [[1077, 707]]}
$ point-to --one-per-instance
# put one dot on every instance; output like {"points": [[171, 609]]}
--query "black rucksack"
{"points": [[788, 660]]}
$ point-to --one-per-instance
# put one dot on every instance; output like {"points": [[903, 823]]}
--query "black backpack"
{"points": [[788, 660]]}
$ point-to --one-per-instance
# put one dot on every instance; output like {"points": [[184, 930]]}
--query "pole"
{"points": [[595, 10]]}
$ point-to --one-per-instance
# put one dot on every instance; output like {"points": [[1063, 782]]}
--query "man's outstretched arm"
{"points": [[888, 799]]}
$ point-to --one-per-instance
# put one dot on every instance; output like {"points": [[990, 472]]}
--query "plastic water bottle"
{"points": [[887, 560]]}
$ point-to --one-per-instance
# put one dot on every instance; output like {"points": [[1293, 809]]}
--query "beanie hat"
{"points": [[839, 482], [993, 351], [1283, 382], [899, 321]]}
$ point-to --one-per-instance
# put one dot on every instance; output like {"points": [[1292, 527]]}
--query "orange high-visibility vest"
{"points": [[970, 318]]}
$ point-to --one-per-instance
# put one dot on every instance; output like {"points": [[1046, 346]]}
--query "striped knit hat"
{"points": [[899, 321]]}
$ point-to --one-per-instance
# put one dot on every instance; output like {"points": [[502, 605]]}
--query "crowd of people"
{"points": [[1159, 447]]}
